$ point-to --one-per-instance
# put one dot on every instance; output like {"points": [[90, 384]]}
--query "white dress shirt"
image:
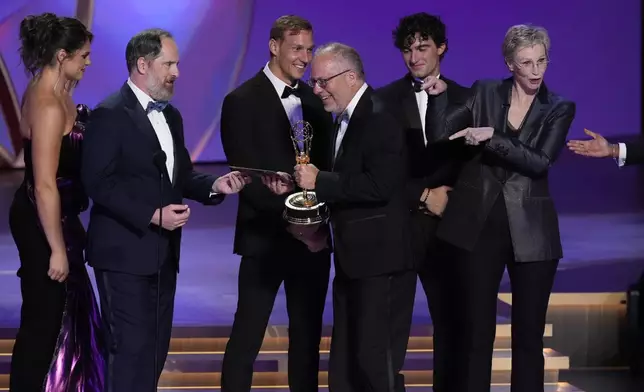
{"points": [[160, 125], [345, 117], [421, 100], [292, 105]]}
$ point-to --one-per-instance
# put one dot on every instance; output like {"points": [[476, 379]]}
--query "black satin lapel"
{"points": [[352, 129], [143, 124], [412, 113], [501, 116], [274, 103], [343, 142], [309, 115], [501, 110], [334, 138], [360, 114], [533, 119], [137, 113], [307, 108], [320, 140]]}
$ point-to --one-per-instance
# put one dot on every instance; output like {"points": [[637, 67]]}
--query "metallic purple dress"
{"points": [[79, 358]]}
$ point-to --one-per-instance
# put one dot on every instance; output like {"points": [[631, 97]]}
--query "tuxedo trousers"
{"points": [[129, 314], [370, 319], [305, 276]]}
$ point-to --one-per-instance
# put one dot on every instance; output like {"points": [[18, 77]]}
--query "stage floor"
{"points": [[601, 221]]}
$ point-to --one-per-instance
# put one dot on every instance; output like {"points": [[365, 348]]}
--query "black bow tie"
{"points": [[290, 90], [418, 85], [158, 106]]}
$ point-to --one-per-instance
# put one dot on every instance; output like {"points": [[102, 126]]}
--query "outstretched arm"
{"points": [[446, 118], [535, 161], [598, 147]]}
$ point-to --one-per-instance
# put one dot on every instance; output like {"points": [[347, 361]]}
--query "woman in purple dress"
{"points": [[58, 347]]}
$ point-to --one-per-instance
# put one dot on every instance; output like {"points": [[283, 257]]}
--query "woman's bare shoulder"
{"points": [[41, 103], [41, 109]]}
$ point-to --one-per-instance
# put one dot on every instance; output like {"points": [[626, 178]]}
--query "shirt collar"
{"points": [[141, 96], [348, 112], [276, 82]]}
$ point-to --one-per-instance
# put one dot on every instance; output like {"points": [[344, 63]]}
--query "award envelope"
{"points": [[252, 171]]}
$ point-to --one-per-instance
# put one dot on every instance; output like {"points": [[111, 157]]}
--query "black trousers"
{"points": [[306, 279], [128, 307], [43, 300], [434, 267], [479, 274], [369, 322], [43, 303]]}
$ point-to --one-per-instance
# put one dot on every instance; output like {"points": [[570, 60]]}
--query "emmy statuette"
{"points": [[303, 208]]}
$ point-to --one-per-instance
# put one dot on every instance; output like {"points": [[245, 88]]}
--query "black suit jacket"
{"points": [[366, 195], [256, 133], [525, 160], [634, 153], [439, 162], [120, 177]]}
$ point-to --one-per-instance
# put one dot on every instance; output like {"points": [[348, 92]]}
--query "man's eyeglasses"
{"points": [[323, 82]]}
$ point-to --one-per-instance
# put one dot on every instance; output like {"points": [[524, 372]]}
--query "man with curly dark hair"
{"points": [[434, 166]]}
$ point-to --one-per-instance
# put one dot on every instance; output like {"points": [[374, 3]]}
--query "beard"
{"points": [[159, 91]]}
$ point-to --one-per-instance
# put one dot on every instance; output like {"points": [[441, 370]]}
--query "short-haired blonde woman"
{"points": [[500, 213]]}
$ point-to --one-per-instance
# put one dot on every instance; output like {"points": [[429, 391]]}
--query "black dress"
{"points": [[58, 346]]}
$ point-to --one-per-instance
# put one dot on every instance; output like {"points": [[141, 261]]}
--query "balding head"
{"points": [[337, 74]]}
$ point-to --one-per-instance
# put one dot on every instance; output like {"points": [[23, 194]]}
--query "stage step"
{"points": [[196, 354], [272, 362], [202, 371], [213, 340]]}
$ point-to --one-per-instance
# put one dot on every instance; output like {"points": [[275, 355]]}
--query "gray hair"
{"points": [[522, 36], [346, 53], [146, 44]]}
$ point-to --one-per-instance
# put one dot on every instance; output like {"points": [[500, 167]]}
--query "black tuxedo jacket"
{"points": [[634, 153], [256, 133], [524, 161], [366, 195], [125, 185], [440, 161]]}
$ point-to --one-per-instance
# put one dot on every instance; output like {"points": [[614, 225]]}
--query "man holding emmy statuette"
{"points": [[364, 191], [262, 122]]}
